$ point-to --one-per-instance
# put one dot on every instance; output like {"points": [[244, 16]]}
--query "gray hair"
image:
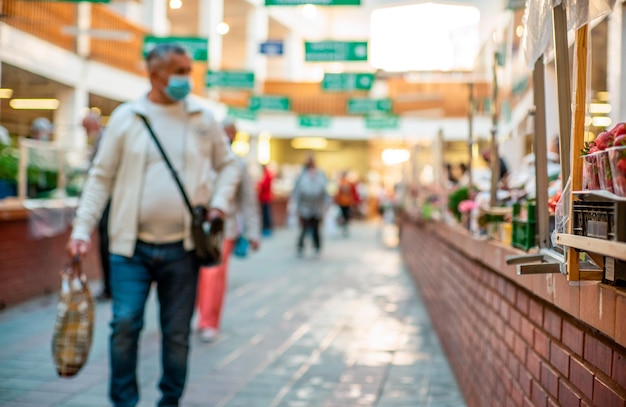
{"points": [[161, 52]]}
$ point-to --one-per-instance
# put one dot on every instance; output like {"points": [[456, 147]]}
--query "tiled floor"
{"points": [[344, 329]]}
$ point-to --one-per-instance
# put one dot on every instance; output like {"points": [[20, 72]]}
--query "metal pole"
{"points": [[470, 137], [561, 56], [494, 157], [541, 153]]}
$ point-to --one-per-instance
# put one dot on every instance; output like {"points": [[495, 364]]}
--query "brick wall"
{"points": [[30, 267], [507, 346]]}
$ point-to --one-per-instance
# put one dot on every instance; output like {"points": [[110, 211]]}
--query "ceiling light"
{"points": [[222, 28], [309, 11], [601, 121], [34, 104], [309, 143], [6, 93], [600, 108], [392, 156], [176, 4], [519, 30]]}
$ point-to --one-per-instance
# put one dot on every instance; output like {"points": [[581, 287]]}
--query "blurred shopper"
{"points": [[93, 126], [41, 129], [264, 190], [243, 220], [346, 198], [311, 200], [149, 224], [504, 171]]}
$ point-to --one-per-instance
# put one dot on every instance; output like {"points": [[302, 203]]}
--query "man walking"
{"points": [[149, 227]]}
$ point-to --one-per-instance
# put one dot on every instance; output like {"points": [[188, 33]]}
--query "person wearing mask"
{"points": [[311, 200], [149, 224], [242, 221], [92, 124], [264, 190]]}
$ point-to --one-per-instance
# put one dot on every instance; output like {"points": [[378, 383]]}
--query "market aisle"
{"points": [[346, 328]]}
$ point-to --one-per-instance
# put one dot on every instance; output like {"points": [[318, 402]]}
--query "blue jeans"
{"points": [[176, 275]]}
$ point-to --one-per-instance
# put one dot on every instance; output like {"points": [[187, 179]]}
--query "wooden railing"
{"points": [[42, 19], [123, 53]]}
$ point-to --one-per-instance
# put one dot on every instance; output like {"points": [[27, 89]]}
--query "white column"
{"points": [[293, 57], [83, 23], [258, 29], [68, 117], [155, 16], [616, 61], [210, 14]]}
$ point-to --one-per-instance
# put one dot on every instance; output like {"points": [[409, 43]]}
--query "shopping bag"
{"points": [[241, 247], [73, 329]]}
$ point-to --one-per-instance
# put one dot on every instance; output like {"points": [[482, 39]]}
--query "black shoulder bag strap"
{"points": [[168, 162]]}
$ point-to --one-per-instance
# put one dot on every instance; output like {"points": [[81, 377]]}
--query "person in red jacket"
{"points": [[346, 198], [264, 190]]}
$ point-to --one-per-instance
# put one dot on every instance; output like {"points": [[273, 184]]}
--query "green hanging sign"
{"points": [[230, 79], [240, 113], [319, 121], [382, 122], [269, 102], [366, 105], [347, 81], [197, 47], [329, 51]]}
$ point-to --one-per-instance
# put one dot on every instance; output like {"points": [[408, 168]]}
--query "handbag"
{"points": [[73, 328], [207, 235]]}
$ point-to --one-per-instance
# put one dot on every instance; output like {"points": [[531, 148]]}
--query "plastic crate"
{"points": [[524, 234], [599, 217]]}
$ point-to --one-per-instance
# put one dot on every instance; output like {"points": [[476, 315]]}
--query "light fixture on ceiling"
{"points": [[600, 108], [176, 4], [601, 121], [6, 93], [34, 104], [222, 28], [309, 11], [309, 143], [393, 156]]}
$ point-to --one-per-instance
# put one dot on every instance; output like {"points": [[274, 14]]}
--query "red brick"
{"points": [[552, 323], [542, 344], [533, 364], [517, 394], [509, 337], [510, 402], [504, 310], [522, 301], [515, 319], [535, 312], [604, 396], [619, 368], [511, 292], [550, 380], [539, 396], [598, 354], [581, 377], [567, 396], [525, 380], [513, 365], [501, 286], [527, 330], [503, 351], [559, 358], [527, 403], [520, 349], [553, 403], [573, 338]]}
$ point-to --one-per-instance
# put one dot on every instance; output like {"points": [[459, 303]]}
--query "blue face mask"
{"points": [[178, 87]]}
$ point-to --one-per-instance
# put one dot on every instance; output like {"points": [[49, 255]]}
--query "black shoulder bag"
{"points": [[207, 236]]}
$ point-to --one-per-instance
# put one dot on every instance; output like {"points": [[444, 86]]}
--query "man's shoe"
{"points": [[208, 334]]}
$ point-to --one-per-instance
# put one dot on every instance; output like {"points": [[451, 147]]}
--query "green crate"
{"points": [[524, 235], [528, 208]]}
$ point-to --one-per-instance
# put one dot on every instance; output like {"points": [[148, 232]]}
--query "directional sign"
{"points": [[274, 103], [315, 2], [365, 105], [314, 121], [271, 48], [347, 81], [325, 51], [230, 79], [382, 122], [240, 113], [197, 47]]}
